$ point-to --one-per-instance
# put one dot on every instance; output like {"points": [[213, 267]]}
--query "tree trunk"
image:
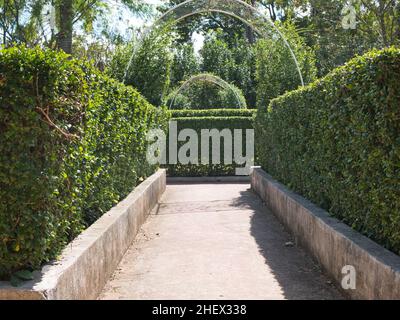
{"points": [[249, 30], [382, 23], [395, 28], [250, 35], [4, 24], [64, 37], [272, 13], [397, 32]]}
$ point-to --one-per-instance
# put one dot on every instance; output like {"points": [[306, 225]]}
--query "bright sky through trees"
{"points": [[121, 21]]}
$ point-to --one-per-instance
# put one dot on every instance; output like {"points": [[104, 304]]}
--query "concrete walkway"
{"points": [[215, 241]]}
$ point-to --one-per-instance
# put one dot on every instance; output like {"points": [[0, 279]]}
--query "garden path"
{"points": [[215, 241]]}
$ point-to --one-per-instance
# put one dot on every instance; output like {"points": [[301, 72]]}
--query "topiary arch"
{"points": [[205, 77], [237, 9]]}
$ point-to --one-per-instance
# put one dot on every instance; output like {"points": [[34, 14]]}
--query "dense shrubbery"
{"points": [[210, 119], [337, 142], [72, 144]]}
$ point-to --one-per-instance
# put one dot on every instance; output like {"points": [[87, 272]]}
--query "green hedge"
{"points": [[72, 144], [337, 142], [213, 113], [199, 123]]}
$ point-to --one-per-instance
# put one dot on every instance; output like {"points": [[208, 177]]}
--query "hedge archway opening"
{"points": [[205, 77]]}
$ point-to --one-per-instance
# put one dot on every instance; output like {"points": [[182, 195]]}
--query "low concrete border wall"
{"points": [[332, 243], [88, 262]]}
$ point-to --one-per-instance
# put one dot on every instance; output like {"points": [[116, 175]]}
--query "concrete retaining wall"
{"points": [[88, 262], [332, 243]]}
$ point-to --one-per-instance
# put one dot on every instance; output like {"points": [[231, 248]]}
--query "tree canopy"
{"points": [[323, 34]]}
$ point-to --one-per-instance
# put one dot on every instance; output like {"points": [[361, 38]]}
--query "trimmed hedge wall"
{"points": [[199, 123], [72, 144], [337, 142], [213, 113]]}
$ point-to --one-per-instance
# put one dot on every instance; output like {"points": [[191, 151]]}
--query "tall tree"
{"points": [[15, 27], [381, 17], [72, 12], [27, 20]]}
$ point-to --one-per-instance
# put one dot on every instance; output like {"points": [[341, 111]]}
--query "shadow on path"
{"points": [[298, 275]]}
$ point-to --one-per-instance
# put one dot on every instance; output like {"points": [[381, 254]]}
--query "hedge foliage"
{"points": [[200, 123], [337, 142], [72, 144]]}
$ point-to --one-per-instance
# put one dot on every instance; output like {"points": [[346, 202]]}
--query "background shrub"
{"points": [[150, 68], [337, 142], [276, 71], [231, 57], [72, 144]]}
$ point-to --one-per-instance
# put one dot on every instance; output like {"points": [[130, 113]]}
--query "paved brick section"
{"points": [[215, 241]]}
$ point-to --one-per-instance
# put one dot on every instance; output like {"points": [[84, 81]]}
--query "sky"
{"points": [[121, 20]]}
